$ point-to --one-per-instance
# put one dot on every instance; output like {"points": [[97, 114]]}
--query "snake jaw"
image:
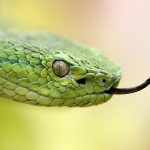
{"points": [[114, 84]]}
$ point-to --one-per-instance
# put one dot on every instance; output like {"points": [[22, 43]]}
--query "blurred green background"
{"points": [[120, 28]]}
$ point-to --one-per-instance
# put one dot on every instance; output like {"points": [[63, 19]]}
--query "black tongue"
{"points": [[129, 90]]}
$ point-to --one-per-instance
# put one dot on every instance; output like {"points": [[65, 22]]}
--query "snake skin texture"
{"points": [[26, 70]]}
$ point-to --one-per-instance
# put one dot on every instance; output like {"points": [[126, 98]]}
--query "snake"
{"points": [[47, 69]]}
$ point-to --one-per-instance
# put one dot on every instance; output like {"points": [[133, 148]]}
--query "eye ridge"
{"points": [[60, 68]]}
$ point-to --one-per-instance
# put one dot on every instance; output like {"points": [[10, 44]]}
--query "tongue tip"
{"points": [[114, 90]]}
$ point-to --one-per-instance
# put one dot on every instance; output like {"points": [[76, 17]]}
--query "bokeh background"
{"points": [[119, 28]]}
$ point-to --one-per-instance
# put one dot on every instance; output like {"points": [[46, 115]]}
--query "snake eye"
{"points": [[60, 68]]}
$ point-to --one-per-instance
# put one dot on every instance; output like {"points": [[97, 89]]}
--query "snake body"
{"points": [[27, 73]]}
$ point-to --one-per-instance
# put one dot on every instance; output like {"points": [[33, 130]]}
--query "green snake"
{"points": [[51, 70]]}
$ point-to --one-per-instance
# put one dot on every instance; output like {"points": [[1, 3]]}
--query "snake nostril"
{"points": [[104, 80], [81, 81]]}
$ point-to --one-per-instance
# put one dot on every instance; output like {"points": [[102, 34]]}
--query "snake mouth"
{"points": [[114, 90]]}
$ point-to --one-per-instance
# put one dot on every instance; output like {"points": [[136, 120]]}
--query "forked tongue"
{"points": [[129, 90]]}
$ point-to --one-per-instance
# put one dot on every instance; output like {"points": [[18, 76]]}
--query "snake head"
{"points": [[50, 70], [83, 81]]}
